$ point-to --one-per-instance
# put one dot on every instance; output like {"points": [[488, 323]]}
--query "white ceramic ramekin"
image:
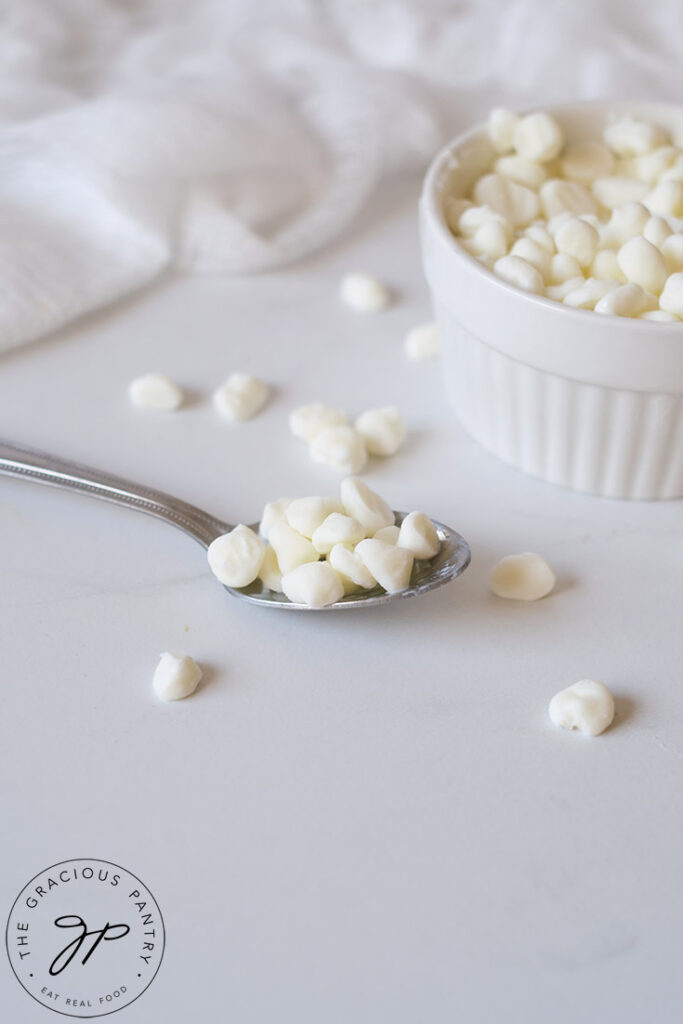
{"points": [[583, 400]]}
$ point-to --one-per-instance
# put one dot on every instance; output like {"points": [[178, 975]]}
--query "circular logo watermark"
{"points": [[85, 937]]}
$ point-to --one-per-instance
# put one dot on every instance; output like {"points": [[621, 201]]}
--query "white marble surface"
{"points": [[358, 817]]}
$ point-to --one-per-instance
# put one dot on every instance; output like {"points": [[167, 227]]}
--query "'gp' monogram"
{"points": [[108, 933]]}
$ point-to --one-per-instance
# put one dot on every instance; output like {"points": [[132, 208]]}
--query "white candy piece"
{"points": [[291, 549], [534, 254], [315, 585], [363, 504], [390, 534], [491, 239], [563, 267], [305, 515], [651, 166], [270, 573], [661, 315], [657, 230], [517, 271], [524, 172], [241, 396], [628, 300], [516, 203], [590, 293], [587, 706], [672, 251], [538, 137], [423, 342], [578, 239], [586, 161], [475, 217], [340, 448], [501, 126], [626, 222], [364, 293], [559, 292], [156, 392], [235, 558], [671, 299], [629, 137], [666, 199], [337, 529], [558, 196], [418, 535], [525, 577], [389, 564], [307, 421], [541, 236], [274, 512], [176, 676], [382, 430], [616, 191], [606, 266], [642, 263], [352, 572]]}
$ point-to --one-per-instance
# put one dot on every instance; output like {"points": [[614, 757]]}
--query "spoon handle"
{"points": [[46, 469]]}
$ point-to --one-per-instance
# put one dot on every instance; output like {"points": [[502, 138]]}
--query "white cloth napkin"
{"points": [[230, 136]]}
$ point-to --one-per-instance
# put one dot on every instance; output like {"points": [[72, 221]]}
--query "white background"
{"points": [[358, 817]]}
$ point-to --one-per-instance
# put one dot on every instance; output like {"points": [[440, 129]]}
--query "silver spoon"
{"points": [[451, 561]]}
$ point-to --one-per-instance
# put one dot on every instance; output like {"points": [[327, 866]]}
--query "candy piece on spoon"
{"points": [[390, 565], [371, 511], [236, 557], [315, 584], [417, 535]]}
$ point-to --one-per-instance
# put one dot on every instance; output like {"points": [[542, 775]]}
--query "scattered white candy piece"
{"points": [[501, 126], [642, 263], [337, 529], [671, 299], [274, 512], [587, 706], [563, 267], [586, 161], [525, 577], [534, 254], [660, 314], [558, 196], [418, 535], [390, 534], [516, 203], [315, 584], [382, 430], [353, 573], [241, 396], [423, 342], [270, 573], [308, 421], [363, 504], [176, 676], [155, 391], [389, 564], [630, 137], [341, 448], [578, 239], [305, 515], [522, 171], [616, 191], [538, 137], [236, 557], [517, 271], [291, 549], [628, 300], [590, 293], [364, 293]]}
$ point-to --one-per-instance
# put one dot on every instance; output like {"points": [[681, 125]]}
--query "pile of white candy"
{"points": [[595, 225], [345, 448], [315, 550]]}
